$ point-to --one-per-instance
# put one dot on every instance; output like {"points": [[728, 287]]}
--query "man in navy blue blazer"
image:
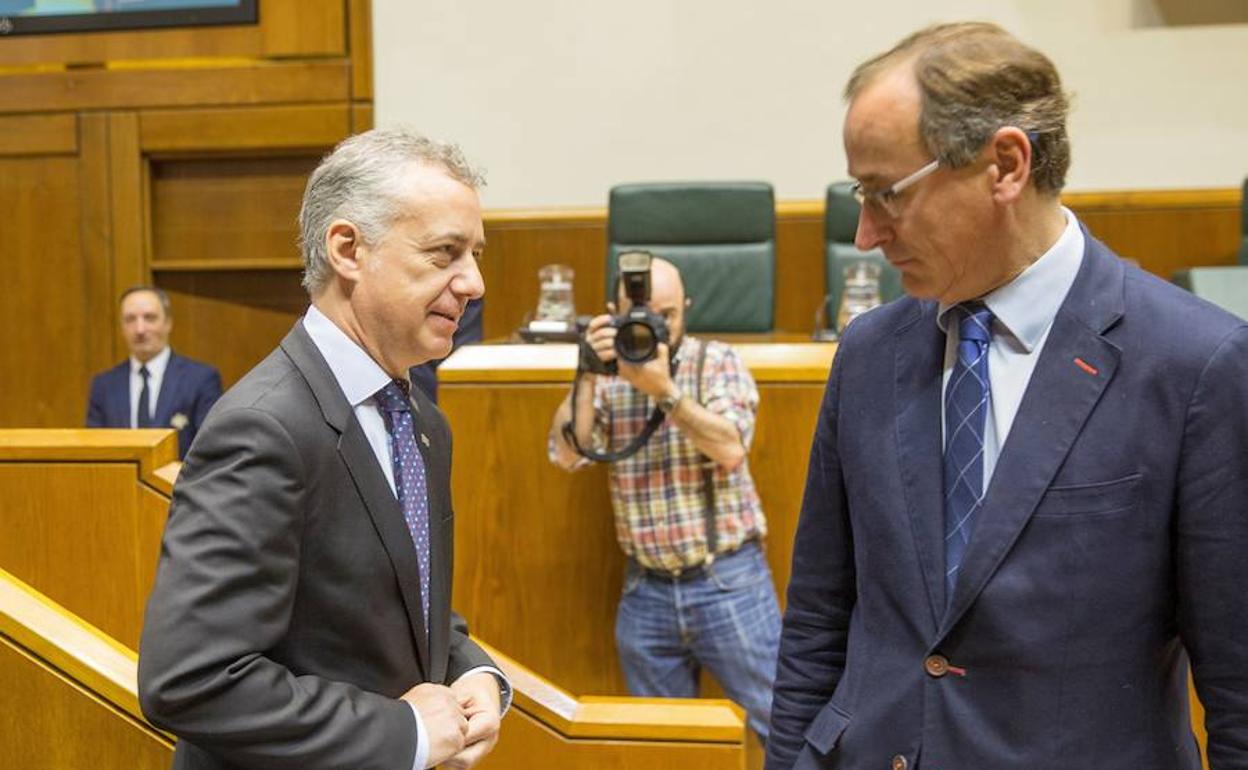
{"points": [[1027, 501], [155, 387]]}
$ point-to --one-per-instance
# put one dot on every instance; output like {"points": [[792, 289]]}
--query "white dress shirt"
{"points": [[1022, 315], [155, 376], [360, 377]]}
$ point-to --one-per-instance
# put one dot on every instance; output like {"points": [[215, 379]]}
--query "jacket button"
{"points": [[900, 763], [936, 665]]}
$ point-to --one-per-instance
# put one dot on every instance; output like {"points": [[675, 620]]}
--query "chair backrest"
{"points": [[721, 236], [840, 223], [1226, 287]]}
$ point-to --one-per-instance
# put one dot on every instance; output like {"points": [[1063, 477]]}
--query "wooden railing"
{"points": [[69, 695], [92, 503]]}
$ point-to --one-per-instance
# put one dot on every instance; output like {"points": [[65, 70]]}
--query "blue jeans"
{"points": [[726, 619]]}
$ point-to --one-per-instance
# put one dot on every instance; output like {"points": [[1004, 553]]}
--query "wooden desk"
{"points": [[538, 570]]}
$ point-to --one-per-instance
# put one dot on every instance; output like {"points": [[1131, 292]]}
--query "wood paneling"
{"points": [[38, 135], [215, 211], [800, 274], [69, 696], [78, 521], [232, 319], [524, 740], [182, 86], [518, 244], [98, 307], [1165, 231], [244, 129], [52, 723], [98, 504], [47, 350], [127, 207], [563, 569], [360, 33], [285, 28], [292, 28]]}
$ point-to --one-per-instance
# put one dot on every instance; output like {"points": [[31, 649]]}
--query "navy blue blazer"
{"points": [[1112, 544], [187, 392]]}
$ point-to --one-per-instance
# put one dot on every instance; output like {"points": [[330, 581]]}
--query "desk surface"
{"points": [[768, 362]]}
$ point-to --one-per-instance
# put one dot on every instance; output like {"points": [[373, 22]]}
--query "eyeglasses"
{"points": [[886, 200]]}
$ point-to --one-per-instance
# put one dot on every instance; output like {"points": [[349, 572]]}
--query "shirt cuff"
{"points": [[422, 741], [504, 686]]}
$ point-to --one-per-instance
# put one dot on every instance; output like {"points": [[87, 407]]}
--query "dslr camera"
{"points": [[639, 329]]}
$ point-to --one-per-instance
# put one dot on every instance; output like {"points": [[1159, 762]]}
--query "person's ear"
{"points": [[344, 246], [1009, 153]]}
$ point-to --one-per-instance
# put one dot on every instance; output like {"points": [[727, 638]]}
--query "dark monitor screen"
{"points": [[31, 17]]}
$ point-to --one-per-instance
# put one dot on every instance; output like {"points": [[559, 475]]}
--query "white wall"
{"points": [[560, 99]]}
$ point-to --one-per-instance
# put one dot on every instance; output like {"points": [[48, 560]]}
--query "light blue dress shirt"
{"points": [[1023, 311]]}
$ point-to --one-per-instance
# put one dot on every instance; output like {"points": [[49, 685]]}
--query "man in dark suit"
{"points": [[301, 613], [155, 388], [1027, 499]]}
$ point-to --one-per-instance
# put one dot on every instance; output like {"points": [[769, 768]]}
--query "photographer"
{"points": [[698, 591]]}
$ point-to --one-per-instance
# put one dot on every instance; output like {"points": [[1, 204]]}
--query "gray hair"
{"points": [[975, 78], [359, 182]]}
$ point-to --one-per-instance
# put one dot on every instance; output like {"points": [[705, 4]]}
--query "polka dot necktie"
{"points": [[966, 410], [409, 475]]}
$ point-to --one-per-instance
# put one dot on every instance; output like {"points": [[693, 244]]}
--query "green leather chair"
{"points": [[722, 237], [840, 223], [1226, 287]]}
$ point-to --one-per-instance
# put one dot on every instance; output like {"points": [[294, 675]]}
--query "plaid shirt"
{"points": [[658, 493]]}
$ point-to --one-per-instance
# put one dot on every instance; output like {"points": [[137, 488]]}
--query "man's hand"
{"points": [[481, 703], [445, 723], [600, 335], [654, 377]]}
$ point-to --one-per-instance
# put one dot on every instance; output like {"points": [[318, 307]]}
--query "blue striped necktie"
{"points": [[395, 404], [966, 411]]}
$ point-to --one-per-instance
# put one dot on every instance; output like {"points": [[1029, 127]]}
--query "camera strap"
{"points": [[652, 424]]}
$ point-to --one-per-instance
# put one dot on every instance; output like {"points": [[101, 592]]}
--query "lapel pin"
{"points": [[424, 439], [1084, 365]]}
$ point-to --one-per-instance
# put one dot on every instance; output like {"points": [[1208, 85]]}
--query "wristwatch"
{"points": [[667, 404]]}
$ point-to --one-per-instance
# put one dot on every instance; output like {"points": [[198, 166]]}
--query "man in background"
{"points": [[1027, 501], [698, 591], [155, 388], [301, 613]]}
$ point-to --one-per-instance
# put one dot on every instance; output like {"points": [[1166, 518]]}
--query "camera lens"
{"points": [[635, 342]]}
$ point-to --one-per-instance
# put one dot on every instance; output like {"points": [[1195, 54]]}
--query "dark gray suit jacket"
{"points": [[1112, 540], [286, 615]]}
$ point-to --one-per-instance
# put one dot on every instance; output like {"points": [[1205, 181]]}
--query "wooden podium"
{"points": [[537, 567]]}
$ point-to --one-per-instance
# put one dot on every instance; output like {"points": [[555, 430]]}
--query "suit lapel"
{"points": [[119, 395], [168, 392], [918, 362], [1055, 406], [383, 509], [361, 463]]}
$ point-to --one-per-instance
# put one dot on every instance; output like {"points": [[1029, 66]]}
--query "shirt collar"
{"points": [[1027, 305], [358, 375], [156, 366]]}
